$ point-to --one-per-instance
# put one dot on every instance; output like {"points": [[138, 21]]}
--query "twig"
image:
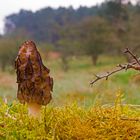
{"points": [[106, 76], [134, 65], [130, 119], [134, 56]]}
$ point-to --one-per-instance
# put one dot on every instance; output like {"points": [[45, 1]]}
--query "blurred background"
{"points": [[76, 39]]}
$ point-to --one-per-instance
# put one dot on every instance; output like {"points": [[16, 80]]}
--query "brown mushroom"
{"points": [[34, 83]]}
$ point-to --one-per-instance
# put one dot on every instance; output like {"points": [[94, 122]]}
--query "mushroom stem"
{"points": [[34, 110]]}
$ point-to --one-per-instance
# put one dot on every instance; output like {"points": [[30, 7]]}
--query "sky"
{"points": [[13, 6]]}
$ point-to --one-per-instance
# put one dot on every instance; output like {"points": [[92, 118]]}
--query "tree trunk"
{"points": [[3, 66], [94, 59], [65, 64]]}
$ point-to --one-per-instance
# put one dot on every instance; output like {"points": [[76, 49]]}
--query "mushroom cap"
{"points": [[34, 83]]}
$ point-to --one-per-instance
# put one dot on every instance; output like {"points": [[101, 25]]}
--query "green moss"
{"points": [[71, 122]]}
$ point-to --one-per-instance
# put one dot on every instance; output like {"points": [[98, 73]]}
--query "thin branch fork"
{"points": [[106, 76], [131, 54], [134, 65]]}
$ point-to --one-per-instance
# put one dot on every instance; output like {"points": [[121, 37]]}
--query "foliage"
{"points": [[9, 45], [43, 25], [114, 10], [132, 38], [8, 52], [98, 35], [67, 45], [106, 28], [71, 122]]}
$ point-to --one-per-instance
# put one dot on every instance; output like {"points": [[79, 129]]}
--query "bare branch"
{"points": [[134, 65], [133, 56], [106, 76]]}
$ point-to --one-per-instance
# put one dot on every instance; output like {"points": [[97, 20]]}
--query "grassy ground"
{"points": [[108, 122], [77, 111], [74, 85]]}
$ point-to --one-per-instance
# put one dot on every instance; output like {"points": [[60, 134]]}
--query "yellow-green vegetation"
{"points": [[71, 122]]}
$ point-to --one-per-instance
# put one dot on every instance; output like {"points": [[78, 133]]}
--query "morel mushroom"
{"points": [[34, 83]]}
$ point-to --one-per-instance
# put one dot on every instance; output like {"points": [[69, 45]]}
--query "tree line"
{"points": [[102, 29]]}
